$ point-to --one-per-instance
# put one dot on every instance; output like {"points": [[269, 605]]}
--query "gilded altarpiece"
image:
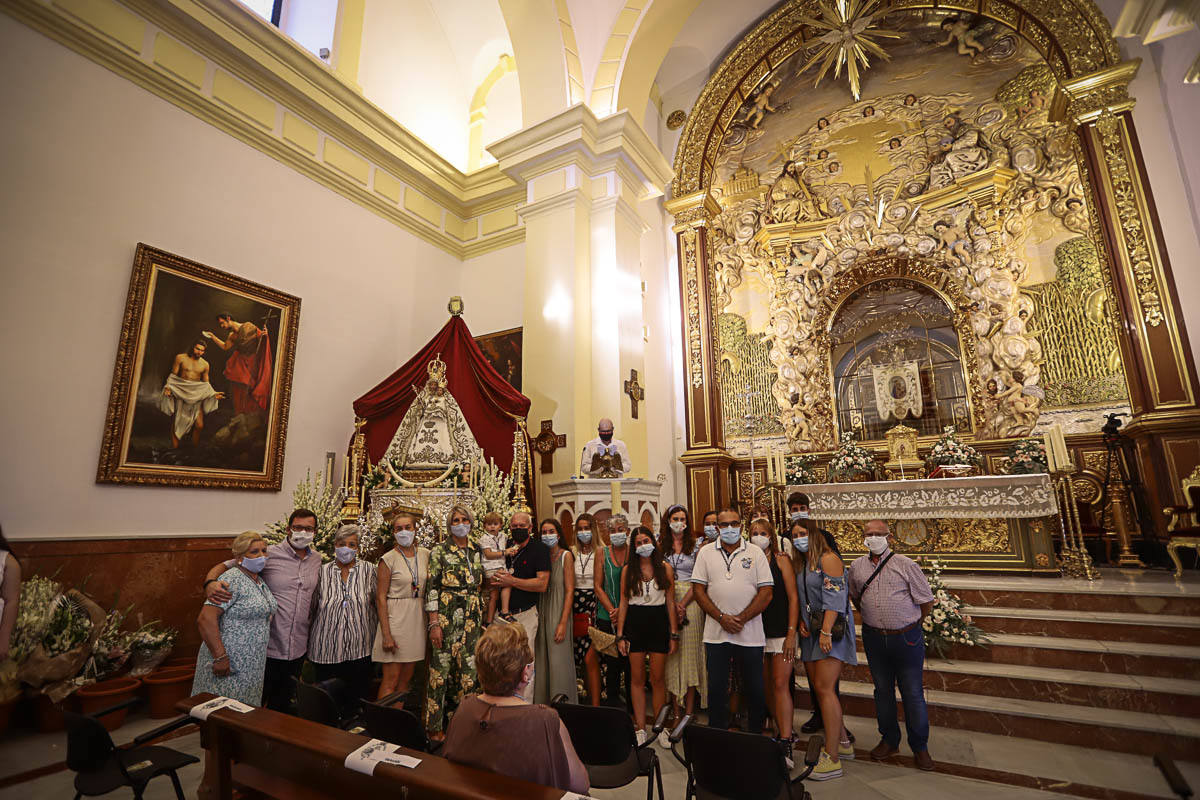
{"points": [[961, 169]]}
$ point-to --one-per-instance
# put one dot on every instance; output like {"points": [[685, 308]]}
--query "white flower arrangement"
{"points": [[1027, 456], [946, 624], [797, 470], [851, 459], [495, 494], [950, 450]]}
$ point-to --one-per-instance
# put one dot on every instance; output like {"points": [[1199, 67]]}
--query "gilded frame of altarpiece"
{"points": [[181, 415]]}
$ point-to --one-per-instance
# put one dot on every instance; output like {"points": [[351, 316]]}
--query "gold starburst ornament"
{"points": [[848, 39]]}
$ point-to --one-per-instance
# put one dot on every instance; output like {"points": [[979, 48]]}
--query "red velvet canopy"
{"points": [[490, 405]]}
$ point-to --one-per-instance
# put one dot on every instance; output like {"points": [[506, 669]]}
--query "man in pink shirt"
{"points": [[893, 597], [292, 572]]}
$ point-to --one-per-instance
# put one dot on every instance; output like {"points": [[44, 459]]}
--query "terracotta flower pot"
{"points": [[166, 687], [180, 661], [99, 696], [6, 709], [48, 716]]}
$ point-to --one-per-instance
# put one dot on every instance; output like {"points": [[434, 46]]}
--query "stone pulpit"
{"points": [[636, 498]]}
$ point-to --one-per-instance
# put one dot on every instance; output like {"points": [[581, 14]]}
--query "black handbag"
{"points": [[816, 619]]}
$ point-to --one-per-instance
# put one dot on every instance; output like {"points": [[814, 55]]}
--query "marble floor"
{"points": [[962, 757]]}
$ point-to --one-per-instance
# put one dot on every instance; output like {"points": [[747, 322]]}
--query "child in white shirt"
{"points": [[494, 552]]}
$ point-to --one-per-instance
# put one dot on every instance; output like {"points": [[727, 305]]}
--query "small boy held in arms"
{"points": [[494, 552]]}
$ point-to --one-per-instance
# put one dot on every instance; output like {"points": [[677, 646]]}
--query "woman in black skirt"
{"points": [[646, 624]]}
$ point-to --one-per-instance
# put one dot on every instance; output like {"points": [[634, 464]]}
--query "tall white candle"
{"points": [[1048, 446]]}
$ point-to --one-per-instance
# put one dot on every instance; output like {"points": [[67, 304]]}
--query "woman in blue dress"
{"points": [[824, 599], [233, 654]]}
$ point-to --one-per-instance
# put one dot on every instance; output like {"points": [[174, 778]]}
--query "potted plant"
{"points": [[851, 461], [1027, 456], [955, 457]]}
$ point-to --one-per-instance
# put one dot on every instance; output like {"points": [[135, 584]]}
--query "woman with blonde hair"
{"points": [[233, 654], [454, 602], [500, 732], [827, 637]]}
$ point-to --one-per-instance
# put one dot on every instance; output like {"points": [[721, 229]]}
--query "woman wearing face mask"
{"points": [[339, 643], [824, 599], [646, 624], [553, 649], [399, 600], [583, 606], [234, 633], [780, 622], [686, 675], [711, 531], [454, 604], [609, 563]]}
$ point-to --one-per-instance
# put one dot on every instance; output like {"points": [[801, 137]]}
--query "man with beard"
{"points": [[248, 368], [604, 445], [188, 395]]}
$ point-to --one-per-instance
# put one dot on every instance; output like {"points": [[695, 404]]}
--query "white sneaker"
{"points": [[664, 739], [641, 737]]}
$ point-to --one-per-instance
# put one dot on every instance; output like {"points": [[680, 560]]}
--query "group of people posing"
{"points": [[713, 616]]}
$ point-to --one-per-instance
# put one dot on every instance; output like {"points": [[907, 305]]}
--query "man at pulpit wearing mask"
{"points": [[605, 451]]}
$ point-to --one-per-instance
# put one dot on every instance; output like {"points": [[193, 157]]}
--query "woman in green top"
{"points": [[608, 595]]}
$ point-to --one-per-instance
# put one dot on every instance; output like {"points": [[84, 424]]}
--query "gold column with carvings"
{"points": [[706, 460], [1162, 376]]}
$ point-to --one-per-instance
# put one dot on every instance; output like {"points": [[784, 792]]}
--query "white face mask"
{"points": [[678, 526], [876, 544], [461, 531], [799, 515], [405, 538], [763, 542], [300, 539]]}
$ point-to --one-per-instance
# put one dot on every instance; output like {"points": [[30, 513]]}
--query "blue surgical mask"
{"points": [[405, 538], [254, 564], [619, 539], [799, 515], [731, 534], [584, 537], [711, 532], [460, 531], [644, 550], [801, 543], [344, 555], [550, 539]]}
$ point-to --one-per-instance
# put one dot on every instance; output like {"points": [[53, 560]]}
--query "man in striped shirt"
{"points": [[892, 605]]}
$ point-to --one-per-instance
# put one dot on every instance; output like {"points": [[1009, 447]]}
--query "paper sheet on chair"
{"points": [[202, 711], [377, 751]]}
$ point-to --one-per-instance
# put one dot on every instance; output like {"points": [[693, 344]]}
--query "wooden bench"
{"points": [[263, 752]]}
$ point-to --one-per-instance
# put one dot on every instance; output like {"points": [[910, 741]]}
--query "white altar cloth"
{"points": [[985, 496]]}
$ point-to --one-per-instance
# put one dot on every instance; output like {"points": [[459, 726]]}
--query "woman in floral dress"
{"points": [[455, 607], [233, 654]]}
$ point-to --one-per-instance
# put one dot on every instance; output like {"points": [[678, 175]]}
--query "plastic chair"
{"points": [[101, 767], [606, 743], [761, 771], [382, 720], [324, 702]]}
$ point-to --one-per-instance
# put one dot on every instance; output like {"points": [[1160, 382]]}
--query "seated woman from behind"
{"points": [[499, 732]]}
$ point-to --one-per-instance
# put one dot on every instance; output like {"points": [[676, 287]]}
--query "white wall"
{"points": [[91, 166], [492, 287]]}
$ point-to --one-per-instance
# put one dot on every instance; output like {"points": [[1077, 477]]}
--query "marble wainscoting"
{"points": [[159, 576]]}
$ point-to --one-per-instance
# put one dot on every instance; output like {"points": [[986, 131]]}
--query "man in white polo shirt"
{"points": [[732, 583]]}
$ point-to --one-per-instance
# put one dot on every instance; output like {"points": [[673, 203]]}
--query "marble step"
{"points": [[1108, 625], [1134, 591], [1172, 696], [1102, 728], [1093, 655]]}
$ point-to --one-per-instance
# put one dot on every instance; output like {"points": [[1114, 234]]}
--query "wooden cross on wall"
{"points": [[547, 442], [635, 392]]}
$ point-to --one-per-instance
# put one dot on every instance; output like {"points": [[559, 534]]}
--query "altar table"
{"points": [[1001, 523], [637, 498]]}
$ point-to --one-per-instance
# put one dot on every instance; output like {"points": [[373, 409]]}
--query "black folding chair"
{"points": [[383, 720], [101, 767], [761, 772], [606, 742], [324, 702]]}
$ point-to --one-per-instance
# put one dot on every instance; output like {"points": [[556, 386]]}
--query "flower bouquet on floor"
{"points": [[111, 650], [951, 456], [1027, 456], [947, 625], [851, 461], [54, 636], [149, 646], [797, 470]]}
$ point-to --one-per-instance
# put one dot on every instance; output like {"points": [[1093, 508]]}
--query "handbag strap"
{"points": [[882, 564]]}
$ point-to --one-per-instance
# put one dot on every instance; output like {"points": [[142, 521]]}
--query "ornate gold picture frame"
{"points": [[202, 383]]}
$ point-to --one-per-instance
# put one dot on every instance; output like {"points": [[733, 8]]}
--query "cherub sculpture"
{"points": [[760, 107], [953, 237], [960, 28]]}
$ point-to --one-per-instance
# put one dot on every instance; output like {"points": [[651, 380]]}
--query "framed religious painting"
{"points": [[202, 383], [503, 351]]}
